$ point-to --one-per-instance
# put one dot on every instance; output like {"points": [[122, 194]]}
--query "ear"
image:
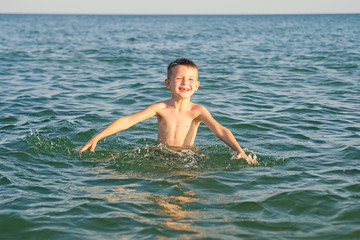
{"points": [[167, 83], [197, 85]]}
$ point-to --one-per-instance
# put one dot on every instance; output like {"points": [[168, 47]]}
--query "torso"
{"points": [[178, 127]]}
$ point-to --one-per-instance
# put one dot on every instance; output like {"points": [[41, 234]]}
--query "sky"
{"points": [[180, 6]]}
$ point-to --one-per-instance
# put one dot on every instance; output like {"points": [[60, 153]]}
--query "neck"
{"points": [[179, 104]]}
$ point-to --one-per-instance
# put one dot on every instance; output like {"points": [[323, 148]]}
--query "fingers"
{"points": [[249, 159], [87, 146], [241, 155], [84, 148], [93, 145]]}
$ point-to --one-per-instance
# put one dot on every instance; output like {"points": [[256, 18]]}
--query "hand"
{"points": [[250, 160], [90, 144]]}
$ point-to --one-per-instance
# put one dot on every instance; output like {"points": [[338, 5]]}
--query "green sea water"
{"points": [[286, 86]]}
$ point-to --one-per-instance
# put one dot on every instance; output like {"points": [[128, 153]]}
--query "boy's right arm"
{"points": [[121, 124]]}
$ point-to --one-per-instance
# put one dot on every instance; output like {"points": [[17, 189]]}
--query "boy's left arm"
{"points": [[223, 133]]}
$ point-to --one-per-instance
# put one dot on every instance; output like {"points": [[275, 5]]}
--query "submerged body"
{"points": [[178, 118]]}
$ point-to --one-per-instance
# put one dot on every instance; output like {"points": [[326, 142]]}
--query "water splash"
{"points": [[160, 159], [157, 159], [40, 144]]}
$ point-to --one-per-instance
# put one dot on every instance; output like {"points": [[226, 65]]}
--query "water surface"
{"points": [[286, 86]]}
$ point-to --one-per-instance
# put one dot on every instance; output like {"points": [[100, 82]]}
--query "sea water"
{"points": [[286, 86]]}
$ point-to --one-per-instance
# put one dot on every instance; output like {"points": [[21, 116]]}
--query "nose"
{"points": [[185, 81]]}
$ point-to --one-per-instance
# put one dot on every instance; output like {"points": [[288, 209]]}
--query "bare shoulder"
{"points": [[205, 116], [200, 111], [157, 105], [199, 108]]}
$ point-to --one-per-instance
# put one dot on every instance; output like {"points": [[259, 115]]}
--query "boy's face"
{"points": [[183, 81]]}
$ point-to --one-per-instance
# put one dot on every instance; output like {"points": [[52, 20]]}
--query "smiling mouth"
{"points": [[182, 89]]}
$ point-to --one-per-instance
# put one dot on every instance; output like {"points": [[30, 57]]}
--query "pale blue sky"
{"points": [[180, 6]]}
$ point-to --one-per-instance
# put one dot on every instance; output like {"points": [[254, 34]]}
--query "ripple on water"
{"points": [[4, 180], [304, 202], [286, 86]]}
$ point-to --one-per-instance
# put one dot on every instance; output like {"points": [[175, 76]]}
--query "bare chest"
{"points": [[177, 129], [176, 123]]}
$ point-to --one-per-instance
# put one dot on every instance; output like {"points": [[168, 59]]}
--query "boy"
{"points": [[178, 117]]}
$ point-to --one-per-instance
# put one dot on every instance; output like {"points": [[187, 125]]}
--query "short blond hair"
{"points": [[180, 61]]}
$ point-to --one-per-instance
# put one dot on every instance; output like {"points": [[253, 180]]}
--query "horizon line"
{"points": [[177, 14]]}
